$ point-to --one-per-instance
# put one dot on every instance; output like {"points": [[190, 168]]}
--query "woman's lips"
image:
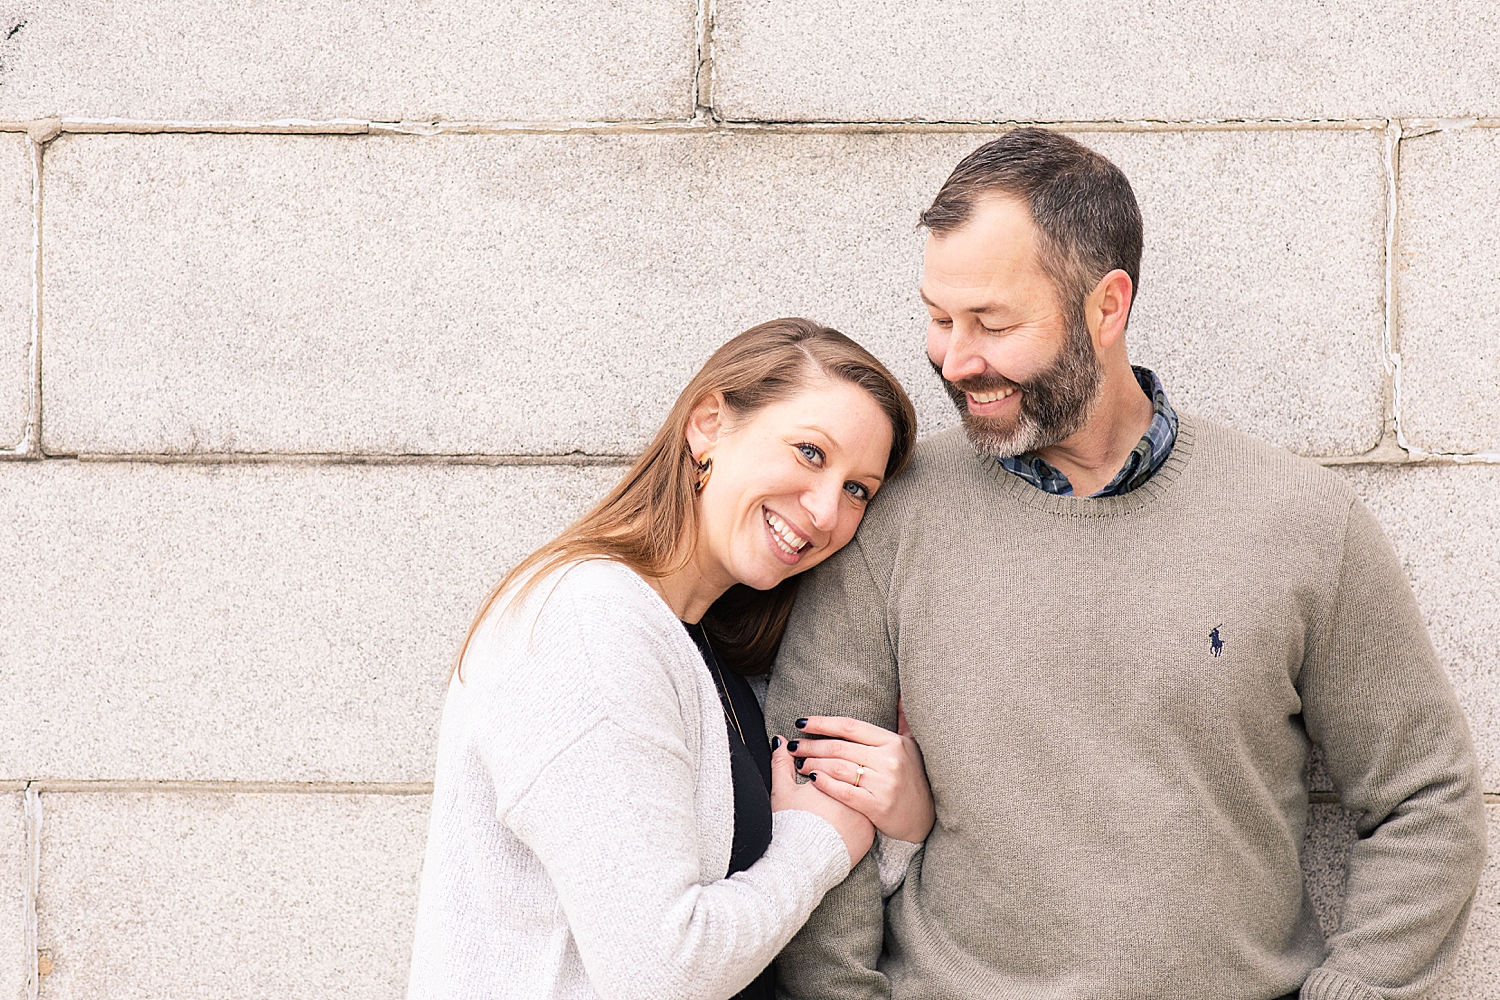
{"points": [[787, 543]]}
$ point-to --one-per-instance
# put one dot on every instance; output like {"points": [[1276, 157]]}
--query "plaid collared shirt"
{"points": [[1145, 458]]}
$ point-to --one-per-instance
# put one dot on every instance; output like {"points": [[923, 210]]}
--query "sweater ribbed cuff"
{"points": [[812, 837], [1324, 984], [892, 857]]}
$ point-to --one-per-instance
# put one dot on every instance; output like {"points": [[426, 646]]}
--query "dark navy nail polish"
{"points": [[800, 762], [775, 742], [792, 746], [801, 723], [813, 776]]}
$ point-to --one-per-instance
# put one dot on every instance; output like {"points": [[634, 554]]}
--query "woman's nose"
{"points": [[822, 504]]}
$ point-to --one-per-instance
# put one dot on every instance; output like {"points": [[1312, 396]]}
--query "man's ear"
{"points": [[705, 424], [1108, 307]]}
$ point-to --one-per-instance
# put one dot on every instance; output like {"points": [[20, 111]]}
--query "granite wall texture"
{"points": [[315, 317]]}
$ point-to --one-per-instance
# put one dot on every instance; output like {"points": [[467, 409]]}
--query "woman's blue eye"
{"points": [[811, 452], [857, 491]]}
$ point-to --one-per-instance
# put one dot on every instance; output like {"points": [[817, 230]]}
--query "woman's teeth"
{"points": [[789, 540], [990, 397]]}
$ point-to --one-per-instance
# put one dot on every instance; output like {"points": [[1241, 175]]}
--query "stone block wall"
{"points": [[315, 317]]}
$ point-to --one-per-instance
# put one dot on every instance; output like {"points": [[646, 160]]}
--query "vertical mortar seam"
{"points": [[703, 64], [1389, 340], [33, 814], [35, 430]]}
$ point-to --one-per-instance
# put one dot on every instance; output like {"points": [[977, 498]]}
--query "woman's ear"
{"points": [[705, 424]]}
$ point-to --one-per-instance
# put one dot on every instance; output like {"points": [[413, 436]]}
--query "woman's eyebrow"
{"points": [[833, 442]]}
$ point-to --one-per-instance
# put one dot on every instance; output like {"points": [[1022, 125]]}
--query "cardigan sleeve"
{"points": [[590, 734], [1398, 750], [612, 821]]}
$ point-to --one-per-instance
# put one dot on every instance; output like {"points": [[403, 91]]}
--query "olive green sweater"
{"points": [[1116, 699]]}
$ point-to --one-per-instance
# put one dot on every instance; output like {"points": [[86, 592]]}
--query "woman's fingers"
{"points": [[783, 768], [846, 729], [857, 799], [844, 770], [857, 752]]}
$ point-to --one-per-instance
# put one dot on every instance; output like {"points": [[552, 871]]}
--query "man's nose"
{"points": [[961, 360]]}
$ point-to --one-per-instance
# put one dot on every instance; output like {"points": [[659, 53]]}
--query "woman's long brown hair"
{"points": [[645, 519]]}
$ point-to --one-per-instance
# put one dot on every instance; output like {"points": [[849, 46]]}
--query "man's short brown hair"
{"points": [[1082, 206]]}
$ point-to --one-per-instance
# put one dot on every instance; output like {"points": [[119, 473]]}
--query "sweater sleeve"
{"points": [[1398, 751], [612, 821], [837, 659]]}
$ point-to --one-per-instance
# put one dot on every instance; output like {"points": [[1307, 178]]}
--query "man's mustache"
{"points": [[976, 383]]}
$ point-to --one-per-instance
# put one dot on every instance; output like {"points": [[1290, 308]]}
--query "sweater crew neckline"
{"points": [[1158, 486]]}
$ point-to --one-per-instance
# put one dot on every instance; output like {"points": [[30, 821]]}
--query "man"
{"points": [[1117, 632]]}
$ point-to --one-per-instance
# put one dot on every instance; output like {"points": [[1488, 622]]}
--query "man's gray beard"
{"points": [[1054, 405]]}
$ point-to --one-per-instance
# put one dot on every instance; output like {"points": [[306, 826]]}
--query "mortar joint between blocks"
{"points": [[1390, 346], [33, 817], [703, 102], [702, 95]]}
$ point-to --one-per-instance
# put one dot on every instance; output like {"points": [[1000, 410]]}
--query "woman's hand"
{"points": [[892, 787], [856, 830]]}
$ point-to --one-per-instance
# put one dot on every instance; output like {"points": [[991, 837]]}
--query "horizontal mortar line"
{"points": [[1070, 125], [1380, 456], [331, 458], [703, 124], [220, 787], [360, 127], [1455, 458], [1384, 454], [1395, 455], [341, 787]]}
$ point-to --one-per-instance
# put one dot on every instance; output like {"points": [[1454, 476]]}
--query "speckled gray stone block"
{"points": [[1473, 975], [1448, 285], [17, 237], [1445, 524], [544, 294], [1071, 60], [1325, 850], [15, 859], [149, 895], [322, 59], [1261, 281], [250, 622]]}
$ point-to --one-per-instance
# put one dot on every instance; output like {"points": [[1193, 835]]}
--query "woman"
{"points": [[607, 819]]}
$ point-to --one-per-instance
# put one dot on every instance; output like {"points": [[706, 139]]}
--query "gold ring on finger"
{"points": [[859, 772]]}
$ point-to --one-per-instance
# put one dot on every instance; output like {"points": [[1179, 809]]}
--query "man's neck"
{"points": [[1091, 457]]}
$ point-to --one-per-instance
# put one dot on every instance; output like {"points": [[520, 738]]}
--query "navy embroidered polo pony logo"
{"points": [[1215, 644]]}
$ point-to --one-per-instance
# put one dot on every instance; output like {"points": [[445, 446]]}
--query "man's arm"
{"points": [[837, 659], [1398, 750]]}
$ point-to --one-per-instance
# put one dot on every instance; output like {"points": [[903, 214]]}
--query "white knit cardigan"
{"points": [[583, 814]]}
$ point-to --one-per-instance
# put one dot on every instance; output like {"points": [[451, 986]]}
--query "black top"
{"points": [[750, 770]]}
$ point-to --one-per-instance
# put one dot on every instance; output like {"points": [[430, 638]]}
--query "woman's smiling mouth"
{"points": [[788, 541]]}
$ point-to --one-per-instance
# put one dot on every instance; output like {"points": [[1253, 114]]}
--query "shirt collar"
{"points": [[1140, 465]]}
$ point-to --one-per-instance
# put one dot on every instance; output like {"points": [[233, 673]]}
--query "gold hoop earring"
{"points": [[705, 470]]}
